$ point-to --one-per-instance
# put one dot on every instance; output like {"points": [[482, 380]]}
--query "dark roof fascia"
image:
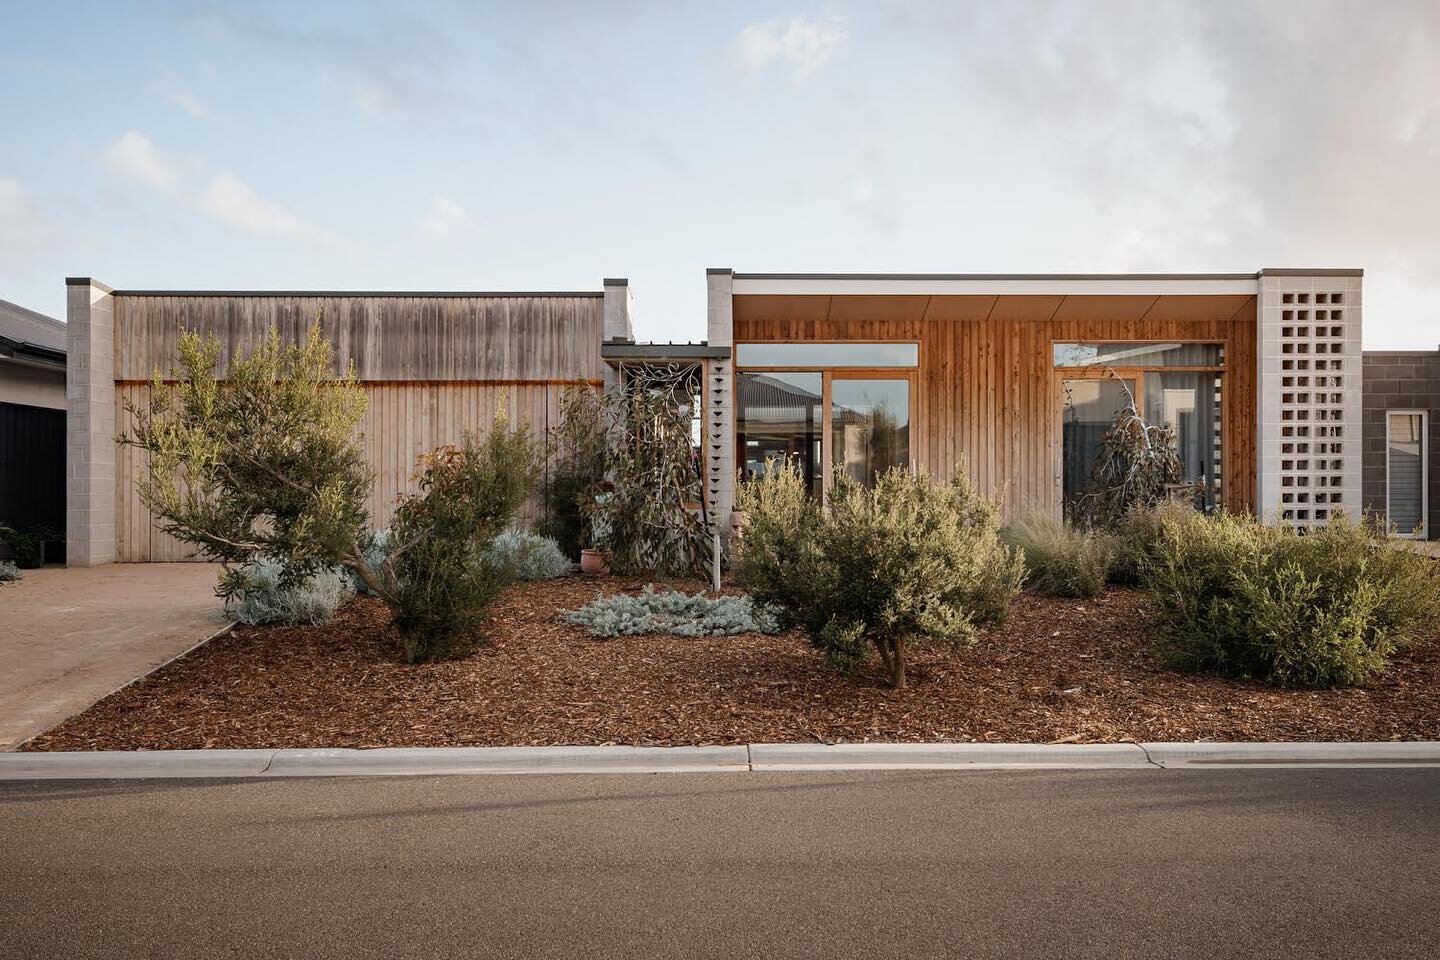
{"points": [[662, 351], [335, 294], [1267, 272]]}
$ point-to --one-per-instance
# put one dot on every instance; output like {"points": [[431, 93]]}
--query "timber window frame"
{"points": [[1135, 376], [829, 373]]}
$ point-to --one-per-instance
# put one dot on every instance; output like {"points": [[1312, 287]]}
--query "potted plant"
{"points": [[595, 559]]}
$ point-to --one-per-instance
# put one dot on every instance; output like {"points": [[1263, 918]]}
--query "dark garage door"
{"points": [[32, 470]]}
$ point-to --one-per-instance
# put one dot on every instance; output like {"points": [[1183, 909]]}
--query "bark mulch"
{"points": [[1058, 670]]}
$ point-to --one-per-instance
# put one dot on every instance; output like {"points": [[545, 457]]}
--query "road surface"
{"points": [[1247, 863]]}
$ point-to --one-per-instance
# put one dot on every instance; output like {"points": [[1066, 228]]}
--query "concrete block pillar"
{"points": [[90, 423], [720, 397], [1310, 393], [618, 304]]}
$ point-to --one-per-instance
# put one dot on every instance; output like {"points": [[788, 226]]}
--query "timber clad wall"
{"points": [[986, 392], [432, 367]]}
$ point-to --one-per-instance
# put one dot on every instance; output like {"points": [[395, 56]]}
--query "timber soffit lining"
{"points": [[959, 308]]}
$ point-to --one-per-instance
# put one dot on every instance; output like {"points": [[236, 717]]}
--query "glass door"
{"points": [[869, 425], [1089, 407]]}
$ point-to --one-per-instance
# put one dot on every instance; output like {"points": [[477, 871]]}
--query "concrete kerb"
{"points": [[443, 761]]}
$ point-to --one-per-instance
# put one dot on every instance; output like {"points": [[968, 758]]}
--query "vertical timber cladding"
{"points": [[432, 366], [987, 394]]}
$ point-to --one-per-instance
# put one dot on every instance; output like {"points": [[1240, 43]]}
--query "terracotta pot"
{"points": [[594, 561], [738, 519]]}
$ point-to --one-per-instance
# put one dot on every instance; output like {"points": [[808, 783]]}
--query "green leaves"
{"points": [[906, 559], [265, 462]]}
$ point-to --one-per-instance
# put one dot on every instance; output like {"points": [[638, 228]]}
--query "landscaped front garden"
{"points": [[900, 609]]}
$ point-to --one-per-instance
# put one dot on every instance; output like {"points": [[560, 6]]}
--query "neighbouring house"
{"points": [[32, 423], [1402, 398], [1015, 376]]}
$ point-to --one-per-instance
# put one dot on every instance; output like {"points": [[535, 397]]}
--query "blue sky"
{"points": [[547, 145]]}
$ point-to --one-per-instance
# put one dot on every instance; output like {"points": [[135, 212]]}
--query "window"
{"points": [[1178, 385], [1406, 467], [809, 354], [853, 418], [1139, 354]]}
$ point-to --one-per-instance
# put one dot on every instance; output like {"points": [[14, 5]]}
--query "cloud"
{"points": [[23, 228], [136, 157], [190, 104], [804, 45], [234, 203], [444, 219]]}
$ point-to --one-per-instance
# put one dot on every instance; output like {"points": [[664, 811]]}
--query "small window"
{"points": [[1138, 355], [1406, 467], [811, 355]]}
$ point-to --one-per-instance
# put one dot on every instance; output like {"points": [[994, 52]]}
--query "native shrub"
{"points": [[1138, 465], [266, 597], [1060, 559], [578, 454], [527, 556], [8, 571], [1321, 609], [1136, 536], [907, 559], [437, 570], [28, 544], [672, 612], [266, 464]]}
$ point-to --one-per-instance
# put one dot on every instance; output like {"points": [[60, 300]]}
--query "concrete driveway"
{"points": [[70, 636]]}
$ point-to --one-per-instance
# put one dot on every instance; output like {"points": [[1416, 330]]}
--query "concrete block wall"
{"points": [[1310, 395], [1400, 380], [90, 423]]}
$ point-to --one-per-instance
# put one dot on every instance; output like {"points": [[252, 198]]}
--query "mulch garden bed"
{"points": [[1058, 670]]}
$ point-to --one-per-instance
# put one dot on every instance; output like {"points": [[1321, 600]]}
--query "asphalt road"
{"points": [[1265, 863]]}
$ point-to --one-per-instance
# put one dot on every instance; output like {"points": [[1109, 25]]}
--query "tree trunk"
{"points": [[897, 669]]}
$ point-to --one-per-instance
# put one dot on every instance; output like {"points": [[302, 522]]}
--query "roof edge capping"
{"points": [[1002, 276], [335, 294], [88, 282]]}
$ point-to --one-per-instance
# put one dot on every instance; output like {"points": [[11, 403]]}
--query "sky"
{"points": [[544, 145]]}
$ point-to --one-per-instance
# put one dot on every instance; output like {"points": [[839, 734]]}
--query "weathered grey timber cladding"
{"points": [[539, 338]]}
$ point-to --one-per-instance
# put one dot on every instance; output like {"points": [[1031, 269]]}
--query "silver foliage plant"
{"points": [[266, 598], [8, 571], [527, 556], [673, 612]]}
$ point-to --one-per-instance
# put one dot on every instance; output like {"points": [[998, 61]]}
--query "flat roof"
{"points": [[1266, 272], [330, 294]]}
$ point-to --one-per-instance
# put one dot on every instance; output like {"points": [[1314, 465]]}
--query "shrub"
{"points": [[1136, 536], [527, 556], [28, 544], [442, 583], [672, 612], [1322, 609], [578, 444], [907, 559], [267, 596], [8, 571], [1060, 559], [266, 463]]}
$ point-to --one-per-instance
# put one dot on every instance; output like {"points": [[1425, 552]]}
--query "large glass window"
{"points": [[780, 416], [869, 426], [1099, 380], [1405, 455], [825, 423], [810, 354]]}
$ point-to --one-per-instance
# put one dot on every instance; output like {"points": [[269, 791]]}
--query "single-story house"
{"points": [[32, 423], [1015, 376]]}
